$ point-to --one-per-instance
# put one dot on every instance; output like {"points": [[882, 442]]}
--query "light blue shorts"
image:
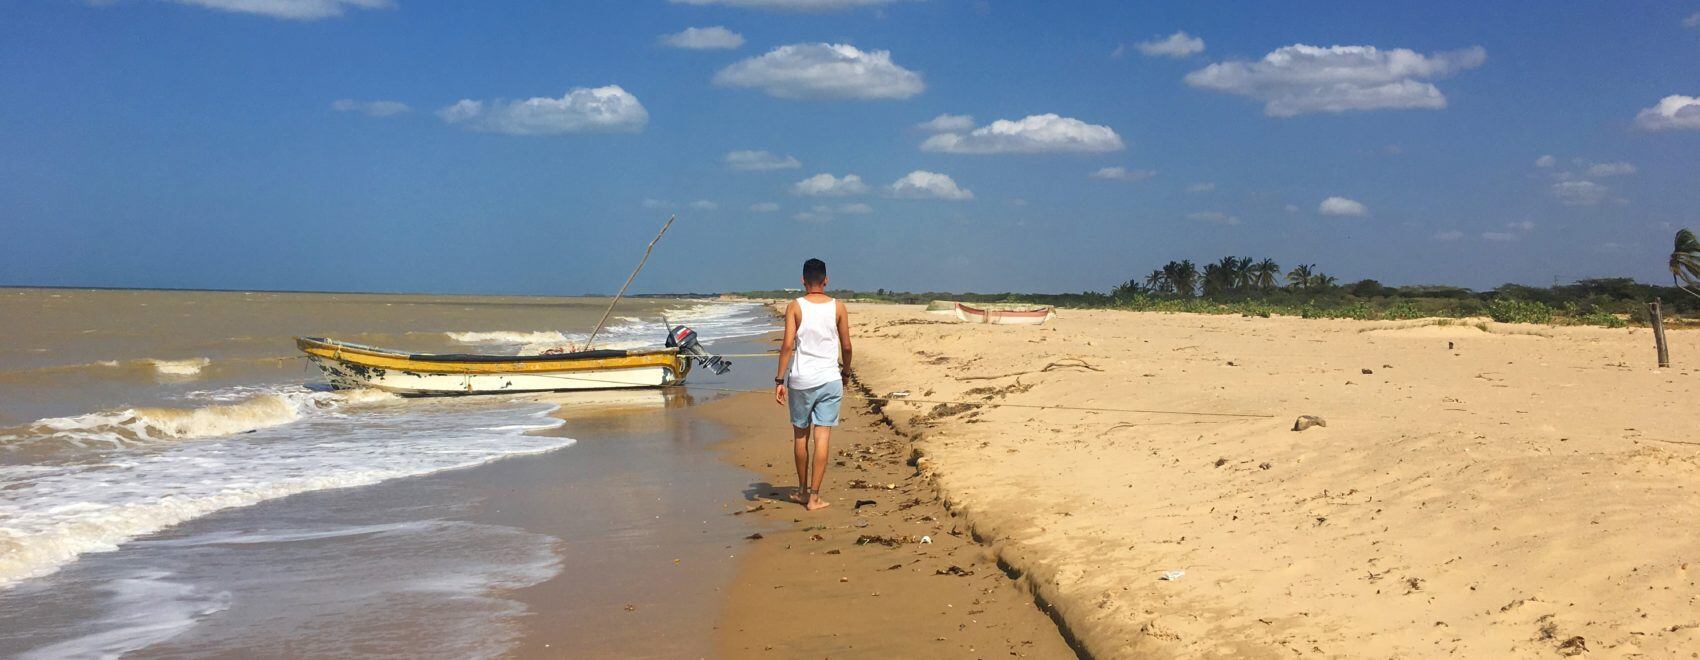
{"points": [[817, 405]]}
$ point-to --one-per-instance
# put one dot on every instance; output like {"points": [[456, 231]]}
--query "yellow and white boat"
{"points": [[348, 365]]}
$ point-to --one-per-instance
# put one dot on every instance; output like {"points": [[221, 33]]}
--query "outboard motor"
{"points": [[685, 339]]}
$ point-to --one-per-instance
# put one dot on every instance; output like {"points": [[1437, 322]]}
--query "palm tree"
{"points": [[1299, 277], [1219, 276], [1182, 277], [1156, 281], [1321, 281], [1242, 273], [1264, 274], [1685, 262]]}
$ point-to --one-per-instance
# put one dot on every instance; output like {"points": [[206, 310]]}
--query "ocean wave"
{"points": [[189, 367], [147, 425], [147, 368], [712, 321], [51, 514], [507, 337]]}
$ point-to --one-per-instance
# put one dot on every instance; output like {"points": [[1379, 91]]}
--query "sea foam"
{"points": [[89, 501]]}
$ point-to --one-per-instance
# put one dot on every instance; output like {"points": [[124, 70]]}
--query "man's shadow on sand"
{"points": [[762, 491]]}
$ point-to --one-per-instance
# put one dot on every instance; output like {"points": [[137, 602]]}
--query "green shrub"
{"points": [[1512, 310]]}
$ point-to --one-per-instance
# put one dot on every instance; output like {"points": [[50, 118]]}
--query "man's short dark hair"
{"points": [[814, 271]]}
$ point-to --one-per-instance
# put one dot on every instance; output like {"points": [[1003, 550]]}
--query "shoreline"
{"points": [[889, 593]]}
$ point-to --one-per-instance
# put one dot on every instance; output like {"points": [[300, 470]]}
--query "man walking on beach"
{"points": [[813, 363]]}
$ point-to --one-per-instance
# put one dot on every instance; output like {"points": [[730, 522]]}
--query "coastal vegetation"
{"points": [[1262, 287]]}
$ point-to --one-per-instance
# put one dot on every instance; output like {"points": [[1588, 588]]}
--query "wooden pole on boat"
{"points": [[629, 278]]}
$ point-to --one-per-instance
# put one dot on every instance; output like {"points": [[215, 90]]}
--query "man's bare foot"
{"points": [[797, 496], [816, 503]]}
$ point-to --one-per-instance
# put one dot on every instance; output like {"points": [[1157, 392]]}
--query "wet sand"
{"points": [[859, 582]]}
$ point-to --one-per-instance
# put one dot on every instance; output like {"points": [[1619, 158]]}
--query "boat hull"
{"points": [[1004, 316], [352, 366]]}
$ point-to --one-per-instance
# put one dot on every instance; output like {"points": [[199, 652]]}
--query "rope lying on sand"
{"points": [[905, 399]]}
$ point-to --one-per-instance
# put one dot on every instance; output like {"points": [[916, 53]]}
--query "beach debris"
{"points": [[894, 567], [1221, 462], [954, 570], [754, 537], [1449, 346], [630, 607], [859, 483], [887, 541], [926, 539], [862, 523], [900, 394], [1264, 465], [1367, 371], [1307, 421], [1573, 646], [1171, 576], [816, 537], [949, 410], [844, 579], [750, 509], [835, 551]]}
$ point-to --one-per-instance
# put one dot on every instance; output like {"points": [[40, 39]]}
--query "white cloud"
{"points": [[1179, 44], [1546, 161], [704, 205], [1448, 236], [1673, 113], [1611, 169], [1202, 187], [1516, 231], [821, 213], [921, 184], [1342, 207], [947, 123], [759, 161], [790, 5], [708, 38], [607, 109], [1299, 79], [827, 185], [1693, 20], [823, 71], [764, 207], [1214, 217], [1580, 193], [371, 108], [1047, 133], [1119, 173], [297, 10]]}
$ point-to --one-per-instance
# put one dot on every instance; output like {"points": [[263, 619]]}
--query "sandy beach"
{"points": [[1479, 490]]}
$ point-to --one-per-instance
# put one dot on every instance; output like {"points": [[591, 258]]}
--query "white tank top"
{"points": [[815, 362]]}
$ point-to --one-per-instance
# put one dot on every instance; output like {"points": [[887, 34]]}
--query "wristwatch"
{"points": [[778, 381]]}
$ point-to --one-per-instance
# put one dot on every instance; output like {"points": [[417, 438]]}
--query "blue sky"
{"points": [[201, 143]]}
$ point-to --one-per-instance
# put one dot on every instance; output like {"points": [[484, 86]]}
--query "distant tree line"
{"points": [[1261, 287]]}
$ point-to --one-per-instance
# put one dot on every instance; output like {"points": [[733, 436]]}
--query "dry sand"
{"points": [[1513, 491]]}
